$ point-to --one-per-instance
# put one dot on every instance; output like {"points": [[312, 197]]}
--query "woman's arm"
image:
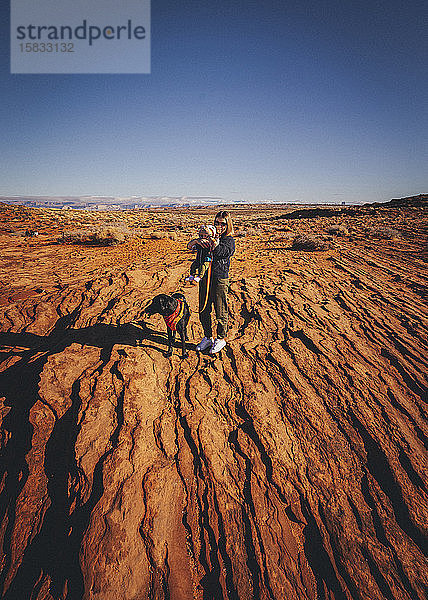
{"points": [[225, 247]]}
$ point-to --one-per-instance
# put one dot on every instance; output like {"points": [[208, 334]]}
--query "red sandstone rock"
{"points": [[290, 466]]}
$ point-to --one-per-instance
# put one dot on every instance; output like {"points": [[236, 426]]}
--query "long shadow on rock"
{"points": [[54, 551], [19, 385]]}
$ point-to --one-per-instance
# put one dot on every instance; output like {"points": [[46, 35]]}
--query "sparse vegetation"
{"points": [[158, 235], [240, 233], [338, 230], [310, 243], [101, 236], [384, 233], [109, 236], [250, 231]]}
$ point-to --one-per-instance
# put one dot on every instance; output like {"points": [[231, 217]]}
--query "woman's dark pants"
{"points": [[217, 297]]}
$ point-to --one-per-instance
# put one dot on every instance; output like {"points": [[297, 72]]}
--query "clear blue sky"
{"points": [[311, 101]]}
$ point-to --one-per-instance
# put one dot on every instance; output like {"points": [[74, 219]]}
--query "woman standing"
{"points": [[214, 286]]}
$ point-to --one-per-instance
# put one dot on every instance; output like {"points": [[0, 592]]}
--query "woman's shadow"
{"points": [[54, 551]]}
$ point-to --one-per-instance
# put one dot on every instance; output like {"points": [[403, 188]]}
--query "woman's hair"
{"points": [[224, 214]]}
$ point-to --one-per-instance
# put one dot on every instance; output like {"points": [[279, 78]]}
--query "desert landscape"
{"points": [[290, 466]]}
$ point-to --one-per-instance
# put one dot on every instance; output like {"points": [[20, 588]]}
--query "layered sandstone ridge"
{"points": [[290, 466]]}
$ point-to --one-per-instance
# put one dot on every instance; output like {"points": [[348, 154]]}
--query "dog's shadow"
{"points": [[142, 332], [101, 335]]}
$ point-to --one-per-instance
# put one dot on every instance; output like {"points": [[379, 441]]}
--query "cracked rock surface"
{"points": [[292, 465]]}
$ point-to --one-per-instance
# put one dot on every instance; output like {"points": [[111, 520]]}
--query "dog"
{"points": [[175, 311]]}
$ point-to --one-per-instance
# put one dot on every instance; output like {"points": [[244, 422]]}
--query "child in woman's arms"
{"points": [[203, 247]]}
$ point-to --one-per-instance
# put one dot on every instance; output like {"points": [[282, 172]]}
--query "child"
{"points": [[203, 246]]}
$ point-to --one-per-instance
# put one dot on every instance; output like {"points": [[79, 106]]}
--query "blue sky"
{"points": [[308, 101]]}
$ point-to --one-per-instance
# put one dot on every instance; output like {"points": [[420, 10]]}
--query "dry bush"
{"points": [[284, 237], [309, 242], [338, 230], [251, 231], [384, 233], [109, 236], [101, 236], [77, 236]]}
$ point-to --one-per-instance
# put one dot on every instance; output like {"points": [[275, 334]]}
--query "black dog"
{"points": [[175, 311]]}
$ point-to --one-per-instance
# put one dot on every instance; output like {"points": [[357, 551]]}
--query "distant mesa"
{"points": [[311, 213], [144, 202], [409, 201], [112, 203]]}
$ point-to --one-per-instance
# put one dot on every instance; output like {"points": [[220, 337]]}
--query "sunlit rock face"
{"points": [[289, 466]]}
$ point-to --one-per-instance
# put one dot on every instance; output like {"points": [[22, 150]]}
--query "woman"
{"points": [[214, 285]]}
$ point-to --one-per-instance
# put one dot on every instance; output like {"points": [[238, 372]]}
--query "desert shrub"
{"points": [[251, 231], [139, 233], [77, 236], [309, 242], [109, 236], [384, 233], [338, 230], [283, 237], [101, 236]]}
